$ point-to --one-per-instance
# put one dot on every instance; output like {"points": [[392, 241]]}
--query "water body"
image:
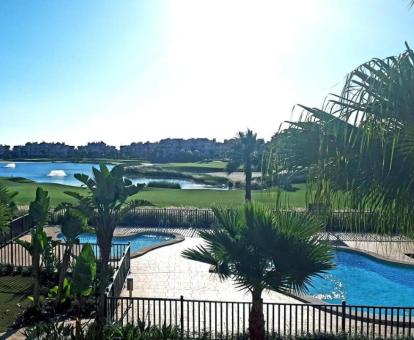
{"points": [[137, 242], [363, 280], [46, 172], [62, 173]]}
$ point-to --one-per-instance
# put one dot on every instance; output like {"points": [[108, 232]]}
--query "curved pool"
{"points": [[361, 279], [138, 242]]}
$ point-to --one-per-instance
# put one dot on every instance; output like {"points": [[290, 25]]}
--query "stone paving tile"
{"points": [[392, 251], [164, 273]]}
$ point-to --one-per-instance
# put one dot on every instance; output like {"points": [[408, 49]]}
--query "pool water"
{"points": [[363, 280], [137, 242]]}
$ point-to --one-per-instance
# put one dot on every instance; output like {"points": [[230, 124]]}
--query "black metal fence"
{"points": [[14, 254], [171, 218], [218, 319], [351, 221], [17, 227]]}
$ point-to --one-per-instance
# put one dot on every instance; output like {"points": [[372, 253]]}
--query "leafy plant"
{"points": [[359, 147], [39, 212], [73, 224], [84, 272], [106, 206]]}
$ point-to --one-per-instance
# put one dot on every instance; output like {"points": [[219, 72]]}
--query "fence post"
{"points": [[182, 315], [343, 316]]}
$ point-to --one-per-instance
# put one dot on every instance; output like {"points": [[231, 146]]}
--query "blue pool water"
{"points": [[137, 242], [363, 280]]}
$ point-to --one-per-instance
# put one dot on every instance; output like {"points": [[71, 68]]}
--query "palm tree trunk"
{"points": [[248, 189], [62, 273], [36, 277], [256, 318], [105, 250]]}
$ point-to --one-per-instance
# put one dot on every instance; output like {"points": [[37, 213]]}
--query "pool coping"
{"points": [[376, 256]]}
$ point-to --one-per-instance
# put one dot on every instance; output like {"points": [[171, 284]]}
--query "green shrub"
{"points": [[26, 271], [164, 184], [16, 270]]}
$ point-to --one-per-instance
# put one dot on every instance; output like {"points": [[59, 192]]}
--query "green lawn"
{"points": [[13, 298], [162, 197], [197, 167]]}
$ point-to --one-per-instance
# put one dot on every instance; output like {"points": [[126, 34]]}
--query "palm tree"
{"points": [[365, 142], [244, 153], [105, 206], [260, 249]]}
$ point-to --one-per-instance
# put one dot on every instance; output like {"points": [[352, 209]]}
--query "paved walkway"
{"points": [[164, 273]]}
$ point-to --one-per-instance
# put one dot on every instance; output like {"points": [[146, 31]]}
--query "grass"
{"points": [[13, 293], [197, 167], [161, 197]]}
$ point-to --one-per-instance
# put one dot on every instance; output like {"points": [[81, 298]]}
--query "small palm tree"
{"points": [[73, 224], [39, 242], [260, 249], [105, 207], [244, 153]]}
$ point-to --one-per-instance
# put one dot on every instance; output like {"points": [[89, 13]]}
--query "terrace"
{"points": [[163, 293]]}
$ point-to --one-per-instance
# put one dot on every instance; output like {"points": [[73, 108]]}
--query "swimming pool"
{"points": [[138, 241], [360, 279]]}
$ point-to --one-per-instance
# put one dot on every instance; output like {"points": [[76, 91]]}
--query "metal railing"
{"points": [[218, 319], [14, 254], [114, 289], [351, 221], [17, 227]]}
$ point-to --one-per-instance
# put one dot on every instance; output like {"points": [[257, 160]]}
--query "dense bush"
{"points": [[143, 331], [164, 184]]}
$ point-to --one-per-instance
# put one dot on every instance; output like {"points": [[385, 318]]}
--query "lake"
{"points": [[62, 173]]}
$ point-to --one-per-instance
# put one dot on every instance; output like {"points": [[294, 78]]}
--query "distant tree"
{"points": [[245, 153], [259, 250]]}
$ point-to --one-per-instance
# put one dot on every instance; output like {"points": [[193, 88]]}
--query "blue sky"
{"points": [[129, 70]]}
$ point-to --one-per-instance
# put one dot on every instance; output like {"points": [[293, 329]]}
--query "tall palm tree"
{"points": [[105, 206], [244, 153], [259, 250]]}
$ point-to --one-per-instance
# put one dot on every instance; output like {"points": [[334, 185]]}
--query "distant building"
{"points": [[4, 151], [176, 149], [43, 150], [97, 150], [166, 150]]}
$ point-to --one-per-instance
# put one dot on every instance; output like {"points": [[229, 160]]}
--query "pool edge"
{"points": [[177, 239]]}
